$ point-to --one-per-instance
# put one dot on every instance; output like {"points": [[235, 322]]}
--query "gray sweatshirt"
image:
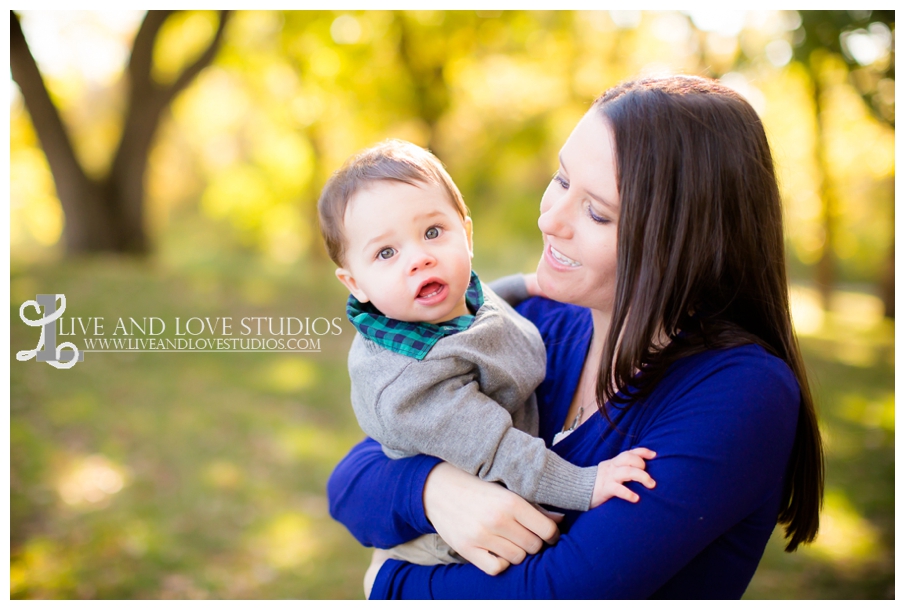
{"points": [[471, 403]]}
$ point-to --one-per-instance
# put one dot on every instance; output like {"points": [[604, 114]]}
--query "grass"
{"points": [[202, 475]]}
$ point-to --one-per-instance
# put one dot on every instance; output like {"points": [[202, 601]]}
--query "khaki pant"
{"points": [[427, 550]]}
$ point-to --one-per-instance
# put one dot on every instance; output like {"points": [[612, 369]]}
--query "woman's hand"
{"points": [[377, 560], [532, 286], [486, 523]]}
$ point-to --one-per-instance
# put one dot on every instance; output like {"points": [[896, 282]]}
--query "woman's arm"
{"points": [[382, 503], [378, 499], [722, 448]]}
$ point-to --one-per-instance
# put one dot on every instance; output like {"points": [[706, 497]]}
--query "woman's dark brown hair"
{"points": [[700, 255]]}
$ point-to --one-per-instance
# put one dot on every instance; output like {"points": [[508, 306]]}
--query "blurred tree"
{"points": [[864, 40], [431, 92], [106, 214]]}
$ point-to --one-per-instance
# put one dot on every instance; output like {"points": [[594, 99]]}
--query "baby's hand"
{"points": [[611, 474]]}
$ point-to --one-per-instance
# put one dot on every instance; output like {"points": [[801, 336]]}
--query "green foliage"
{"points": [[202, 475], [864, 39], [219, 461], [293, 93]]}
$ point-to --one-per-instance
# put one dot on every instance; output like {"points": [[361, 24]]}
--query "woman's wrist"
{"points": [[378, 499], [431, 492]]}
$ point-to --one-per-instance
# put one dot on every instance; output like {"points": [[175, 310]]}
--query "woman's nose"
{"points": [[554, 217]]}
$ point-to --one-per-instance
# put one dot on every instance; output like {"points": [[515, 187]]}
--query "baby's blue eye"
{"points": [[386, 253], [432, 233]]}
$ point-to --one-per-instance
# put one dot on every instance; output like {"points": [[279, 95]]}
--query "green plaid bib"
{"points": [[413, 339]]}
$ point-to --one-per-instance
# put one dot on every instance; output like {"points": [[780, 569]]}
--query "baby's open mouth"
{"points": [[430, 289]]}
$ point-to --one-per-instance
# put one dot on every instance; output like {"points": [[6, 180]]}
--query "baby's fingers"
{"points": [[643, 452], [615, 490], [628, 460], [626, 473]]}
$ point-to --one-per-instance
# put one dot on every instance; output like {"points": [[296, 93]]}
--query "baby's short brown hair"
{"points": [[390, 160]]}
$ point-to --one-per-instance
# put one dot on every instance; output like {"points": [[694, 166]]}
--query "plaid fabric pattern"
{"points": [[414, 339]]}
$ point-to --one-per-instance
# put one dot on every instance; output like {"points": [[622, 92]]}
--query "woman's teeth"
{"points": [[562, 258]]}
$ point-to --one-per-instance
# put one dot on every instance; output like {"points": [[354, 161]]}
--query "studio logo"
{"points": [[47, 350]]}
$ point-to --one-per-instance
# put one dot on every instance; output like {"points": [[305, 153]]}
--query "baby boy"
{"points": [[440, 365]]}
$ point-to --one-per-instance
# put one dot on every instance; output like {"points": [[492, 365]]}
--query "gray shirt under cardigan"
{"points": [[471, 403]]}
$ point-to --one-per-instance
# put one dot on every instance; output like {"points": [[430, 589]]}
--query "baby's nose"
{"points": [[421, 260]]}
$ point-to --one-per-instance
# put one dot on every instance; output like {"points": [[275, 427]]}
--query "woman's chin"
{"points": [[547, 281]]}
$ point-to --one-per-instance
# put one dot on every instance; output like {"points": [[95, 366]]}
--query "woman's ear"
{"points": [[347, 280]]}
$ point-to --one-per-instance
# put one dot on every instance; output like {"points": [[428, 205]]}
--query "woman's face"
{"points": [[579, 219]]}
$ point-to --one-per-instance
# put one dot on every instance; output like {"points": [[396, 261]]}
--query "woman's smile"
{"points": [[561, 258]]}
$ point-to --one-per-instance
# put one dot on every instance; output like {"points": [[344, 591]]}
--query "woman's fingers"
{"points": [[472, 516], [556, 517], [541, 526], [504, 549], [486, 561]]}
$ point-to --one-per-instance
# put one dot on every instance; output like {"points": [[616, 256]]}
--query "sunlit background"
{"points": [[202, 475]]}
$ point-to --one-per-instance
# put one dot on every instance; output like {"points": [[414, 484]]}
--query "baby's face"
{"points": [[407, 251]]}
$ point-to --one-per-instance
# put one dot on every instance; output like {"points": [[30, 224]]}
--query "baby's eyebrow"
{"points": [[387, 234], [429, 215], [377, 238]]}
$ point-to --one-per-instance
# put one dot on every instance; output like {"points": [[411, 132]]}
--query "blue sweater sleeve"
{"points": [[723, 437], [378, 499]]}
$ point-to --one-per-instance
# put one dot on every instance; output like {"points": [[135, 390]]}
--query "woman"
{"points": [[663, 257]]}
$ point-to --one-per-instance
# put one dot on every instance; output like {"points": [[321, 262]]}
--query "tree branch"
{"points": [[143, 52], [200, 64], [44, 114]]}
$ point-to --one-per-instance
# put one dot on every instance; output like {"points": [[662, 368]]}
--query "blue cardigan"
{"points": [[722, 424]]}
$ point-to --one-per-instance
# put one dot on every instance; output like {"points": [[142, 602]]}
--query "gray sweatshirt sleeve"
{"points": [[453, 420], [511, 288]]}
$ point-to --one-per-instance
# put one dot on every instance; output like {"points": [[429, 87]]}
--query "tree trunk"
{"points": [[105, 215], [83, 200], [826, 266], [429, 86], [888, 284], [888, 273]]}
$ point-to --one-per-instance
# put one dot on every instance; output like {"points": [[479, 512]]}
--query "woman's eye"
{"points": [[560, 180], [386, 253], [598, 219], [432, 233]]}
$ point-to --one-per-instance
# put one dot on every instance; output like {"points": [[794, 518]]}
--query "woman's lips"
{"points": [[561, 260]]}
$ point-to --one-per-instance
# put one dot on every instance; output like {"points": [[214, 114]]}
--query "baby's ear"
{"points": [[468, 233], [345, 276]]}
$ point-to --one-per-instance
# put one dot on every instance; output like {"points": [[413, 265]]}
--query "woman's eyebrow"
{"points": [[598, 198]]}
